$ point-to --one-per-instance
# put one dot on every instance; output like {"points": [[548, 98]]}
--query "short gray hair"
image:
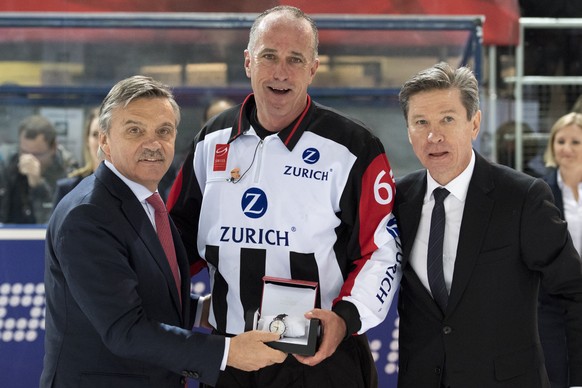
{"points": [[292, 11], [130, 89], [443, 76]]}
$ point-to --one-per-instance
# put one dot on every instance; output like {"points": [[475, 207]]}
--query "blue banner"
{"points": [[22, 311]]}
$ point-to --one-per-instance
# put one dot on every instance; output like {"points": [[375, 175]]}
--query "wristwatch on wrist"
{"points": [[278, 325]]}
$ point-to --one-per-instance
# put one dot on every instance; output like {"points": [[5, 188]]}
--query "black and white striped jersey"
{"points": [[312, 202]]}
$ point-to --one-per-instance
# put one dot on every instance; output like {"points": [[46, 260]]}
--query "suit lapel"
{"points": [[136, 216], [476, 214], [409, 205]]}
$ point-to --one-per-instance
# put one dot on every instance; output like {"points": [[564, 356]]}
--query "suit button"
{"points": [[447, 330], [190, 374], [437, 370]]}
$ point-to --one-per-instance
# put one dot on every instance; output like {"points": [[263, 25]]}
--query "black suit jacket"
{"points": [[64, 186], [552, 326], [113, 317], [552, 180], [511, 236]]}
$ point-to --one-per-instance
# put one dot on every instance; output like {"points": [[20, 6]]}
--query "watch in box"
{"points": [[278, 325]]}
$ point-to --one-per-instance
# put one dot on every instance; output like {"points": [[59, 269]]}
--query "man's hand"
{"points": [[248, 351], [333, 331], [29, 166]]}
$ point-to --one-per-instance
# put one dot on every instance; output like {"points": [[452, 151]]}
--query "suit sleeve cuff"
{"points": [[349, 313]]}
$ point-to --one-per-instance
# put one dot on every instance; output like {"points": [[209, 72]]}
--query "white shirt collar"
{"points": [[559, 180], [458, 187], [566, 190]]}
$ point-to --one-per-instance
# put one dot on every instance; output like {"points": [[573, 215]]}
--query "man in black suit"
{"points": [[502, 235], [117, 315]]}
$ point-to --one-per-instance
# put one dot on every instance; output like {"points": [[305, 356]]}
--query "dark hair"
{"points": [[443, 76], [292, 11], [33, 126], [132, 88]]}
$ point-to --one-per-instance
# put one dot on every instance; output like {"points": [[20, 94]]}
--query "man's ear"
{"points": [[104, 145], [314, 68], [476, 123], [247, 63]]}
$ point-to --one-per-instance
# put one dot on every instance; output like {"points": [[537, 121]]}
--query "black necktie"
{"points": [[436, 279]]}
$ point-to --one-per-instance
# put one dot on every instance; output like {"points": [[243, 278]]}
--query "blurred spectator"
{"points": [[564, 156], [92, 160], [505, 143], [32, 173], [217, 106], [214, 107]]}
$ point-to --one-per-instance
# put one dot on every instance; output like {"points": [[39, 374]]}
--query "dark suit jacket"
{"points": [[64, 186], [511, 236], [552, 326], [552, 180], [113, 318]]}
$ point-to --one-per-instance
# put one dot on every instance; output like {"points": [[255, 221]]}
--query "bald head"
{"points": [[274, 14]]}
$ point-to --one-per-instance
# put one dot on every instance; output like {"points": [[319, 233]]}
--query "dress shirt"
{"points": [[454, 206], [572, 212], [142, 193]]}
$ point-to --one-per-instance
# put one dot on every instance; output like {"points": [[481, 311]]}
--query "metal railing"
{"points": [[521, 79]]}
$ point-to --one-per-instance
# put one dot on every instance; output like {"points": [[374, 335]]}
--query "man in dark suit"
{"points": [[117, 313], [502, 235]]}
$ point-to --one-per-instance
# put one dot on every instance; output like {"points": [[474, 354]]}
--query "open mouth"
{"points": [[152, 156], [151, 160], [279, 91]]}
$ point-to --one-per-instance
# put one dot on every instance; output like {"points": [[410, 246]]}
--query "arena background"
{"points": [[53, 64]]}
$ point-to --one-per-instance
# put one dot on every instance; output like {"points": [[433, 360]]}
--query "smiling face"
{"points": [[568, 147], [281, 66], [140, 141], [440, 133]]}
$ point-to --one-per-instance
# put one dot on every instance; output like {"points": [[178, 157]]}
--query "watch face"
{"points": [[277, 326]]}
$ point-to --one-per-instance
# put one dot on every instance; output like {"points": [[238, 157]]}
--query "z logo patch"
{"points": [[254, 203]]}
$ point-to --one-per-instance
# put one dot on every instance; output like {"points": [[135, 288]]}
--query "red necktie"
{"points": [[165, 235]]}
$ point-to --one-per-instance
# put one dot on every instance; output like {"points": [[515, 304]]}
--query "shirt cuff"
{"points": [[199, 308], [225, 356]]}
